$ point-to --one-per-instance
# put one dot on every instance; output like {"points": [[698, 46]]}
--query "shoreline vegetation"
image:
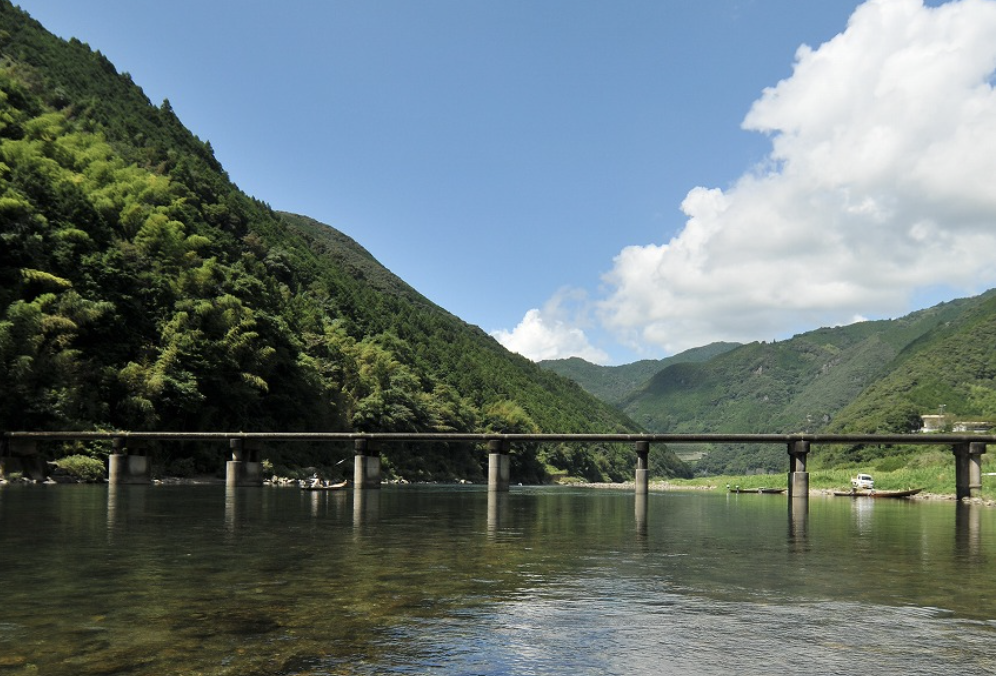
{"points": [[932, 473], [664, 486]]}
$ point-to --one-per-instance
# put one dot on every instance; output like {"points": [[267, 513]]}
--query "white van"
{"points": [[863, 481]]}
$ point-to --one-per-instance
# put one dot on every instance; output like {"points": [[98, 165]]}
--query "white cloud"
{"points": [[880, 182], [552, 333]]}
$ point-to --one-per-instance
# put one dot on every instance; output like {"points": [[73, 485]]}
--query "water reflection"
{"points": [[231, 505], [112, 509], [125, 503], [862, 514], [498, 512], [968, 529], [366, 507], [314, 498], [798, 509], [641, 514]]}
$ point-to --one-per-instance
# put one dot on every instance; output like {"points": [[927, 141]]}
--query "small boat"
{"points": [[878, 494], [739, 489], [325, 487]]}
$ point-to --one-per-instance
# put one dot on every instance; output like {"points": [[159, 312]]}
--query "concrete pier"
{"points": [[498, 465], [244, 469], [968, 469], [22, 456], [127, 467], [798, 481], [366, 464], [641, 470]]}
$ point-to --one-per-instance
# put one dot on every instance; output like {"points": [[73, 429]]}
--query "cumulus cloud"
{"points": [[880, 182], [554, 332]]}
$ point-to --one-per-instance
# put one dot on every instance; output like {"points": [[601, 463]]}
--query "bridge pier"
{"points": [[22, 456], [641, 471], [968, 469], [126, 467], [366, 464], [245, 468], [498, 465], [798, 481]]}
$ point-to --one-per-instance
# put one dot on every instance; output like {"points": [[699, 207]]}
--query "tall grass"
{"points": [[932, 472]]}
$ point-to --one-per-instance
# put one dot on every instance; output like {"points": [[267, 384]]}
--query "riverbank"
{"points": [[653, 486], [661, 486]]}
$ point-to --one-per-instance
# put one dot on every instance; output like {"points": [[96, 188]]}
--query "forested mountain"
{"points": [[869, 377], [141, 290], [613, 384], [950, 368]]}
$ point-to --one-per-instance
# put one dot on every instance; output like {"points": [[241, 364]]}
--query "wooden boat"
{"points": [[878, 494], [325, 487], [739, 489]]}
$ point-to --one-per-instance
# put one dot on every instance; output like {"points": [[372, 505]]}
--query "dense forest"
{"points": [[873, 377], [141, 290]]}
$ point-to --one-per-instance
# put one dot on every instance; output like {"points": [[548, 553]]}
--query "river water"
{"points": [[446, 580]]}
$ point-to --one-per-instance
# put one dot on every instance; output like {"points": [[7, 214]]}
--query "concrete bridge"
{"points": [[128, 463]]}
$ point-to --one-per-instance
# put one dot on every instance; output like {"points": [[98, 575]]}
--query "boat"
{"points": [[878, 494], [325, 487], [739, 489]]}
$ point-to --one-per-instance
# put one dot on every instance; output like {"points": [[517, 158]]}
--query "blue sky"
{"points": [[610, 180]]}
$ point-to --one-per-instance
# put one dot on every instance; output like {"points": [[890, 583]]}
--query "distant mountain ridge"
{"points": [[613, 384], [868, 377]]}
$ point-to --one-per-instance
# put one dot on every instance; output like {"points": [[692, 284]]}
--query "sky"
{"points": [[613, 181]]}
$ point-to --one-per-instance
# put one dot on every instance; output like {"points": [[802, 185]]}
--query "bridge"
{"points": [[129, 464]]}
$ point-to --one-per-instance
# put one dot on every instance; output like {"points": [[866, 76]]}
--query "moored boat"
{"points": [[325, 487], [739, 489], [878, 494]]}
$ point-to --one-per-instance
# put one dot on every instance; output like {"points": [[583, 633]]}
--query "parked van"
{"points": [[863, 481]]}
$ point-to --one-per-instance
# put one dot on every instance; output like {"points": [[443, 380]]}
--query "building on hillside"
{"points": [[933, 423], [940, 423]]}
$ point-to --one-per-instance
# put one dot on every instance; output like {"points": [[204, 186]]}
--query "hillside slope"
{"points": [[613, 384], [950, 368], [871, 377], [140, 289]]}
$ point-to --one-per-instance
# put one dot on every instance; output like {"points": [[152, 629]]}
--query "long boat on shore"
{"points": [[878, 494]]}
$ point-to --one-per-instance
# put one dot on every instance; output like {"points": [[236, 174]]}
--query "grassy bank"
{"points": [[937, 475]]}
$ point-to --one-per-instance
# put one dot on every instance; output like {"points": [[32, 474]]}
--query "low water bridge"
{"points": [[128, 463]]}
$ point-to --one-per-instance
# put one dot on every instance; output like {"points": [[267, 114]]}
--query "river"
{"points": [[163, 580]]}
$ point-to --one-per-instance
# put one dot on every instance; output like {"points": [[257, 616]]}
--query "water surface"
{"points": [[441, 580]]}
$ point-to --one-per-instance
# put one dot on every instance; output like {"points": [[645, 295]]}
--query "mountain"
{"points": [[868, 377], [949, 368], [140, 289], [613, 384]]}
